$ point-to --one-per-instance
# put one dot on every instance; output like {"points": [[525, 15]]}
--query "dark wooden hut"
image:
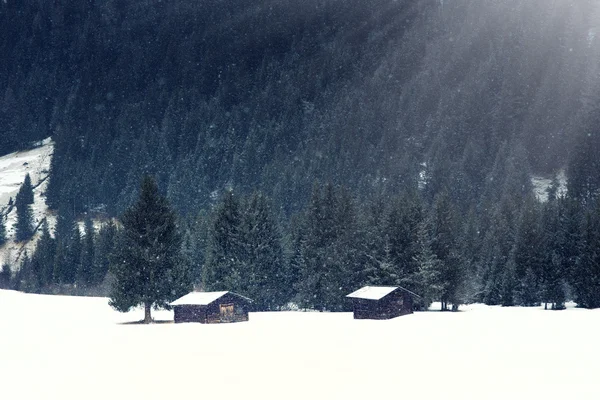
{"points": [[382, 302], [211, 307]]}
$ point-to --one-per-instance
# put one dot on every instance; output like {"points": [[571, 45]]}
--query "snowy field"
{"points": [[54, 347]]}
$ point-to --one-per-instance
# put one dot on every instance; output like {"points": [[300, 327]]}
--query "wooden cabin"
{"points": [[381, 302], [211, 307]]}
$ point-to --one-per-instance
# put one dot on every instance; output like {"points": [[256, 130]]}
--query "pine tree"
{"points": [[44, 254], [401, 230], [508, 284], [429, 278], [586, 276], [59, 273], [86, 265], [25, 278], [147, 265], [444, 232], [24, 225], [195, 245], [72, 260], [224, 265], [5, 276], [267, 281], [25, 194], [552, 275], [528, 254], [103, 250], [329, 251], [2, 230]]}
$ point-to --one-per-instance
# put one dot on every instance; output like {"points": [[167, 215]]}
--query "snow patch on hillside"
{"points": [[13, 168], [542, 184]]}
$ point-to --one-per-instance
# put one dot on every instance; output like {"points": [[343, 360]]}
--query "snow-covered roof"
{"points": [[372, 292], [203, 298], [198, 298]]}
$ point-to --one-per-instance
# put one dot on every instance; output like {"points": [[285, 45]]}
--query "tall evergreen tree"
{"points": [[103, 250], [5, 276], [147, 265], [529, 254], [553, 277], [586, 276], [25, 194], [268, 281], [430, 283], [44, 254], [444, 234], [224, 260], [86, 265], [401, 231], [2, 230], [509, 283], [329, 250], [24, 226]]}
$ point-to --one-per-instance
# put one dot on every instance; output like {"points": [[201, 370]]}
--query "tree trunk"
{"points": [[147, 315]]}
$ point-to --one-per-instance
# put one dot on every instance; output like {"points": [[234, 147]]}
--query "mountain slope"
{"points": [[275, 95], [13, 168]]}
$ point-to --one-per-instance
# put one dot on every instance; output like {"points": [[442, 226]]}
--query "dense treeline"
{"points": [[527, 254]]}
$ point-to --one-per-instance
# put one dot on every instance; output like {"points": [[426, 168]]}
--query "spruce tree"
{"points": [[224, 260], [318, 273], [86, 264], [24, 200], [72, 260], [25, 194], [429, 276], [5, 276], [24, 225], [267, 281], [147, 265], [329, 250], [2, 230], [444, 232], [586, 276], [508, 284], [401, 230], [529, 257], [103, 249], [553, 277], [44, 254], [25, 278]]}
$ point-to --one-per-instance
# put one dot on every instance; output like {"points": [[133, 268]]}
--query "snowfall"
{"points": [[57, 347]]}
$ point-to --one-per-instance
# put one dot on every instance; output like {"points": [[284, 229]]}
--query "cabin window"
{"points": [[227, 312]]}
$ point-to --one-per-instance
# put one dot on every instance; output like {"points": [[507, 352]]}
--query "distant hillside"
{"points": [[277, 94]]}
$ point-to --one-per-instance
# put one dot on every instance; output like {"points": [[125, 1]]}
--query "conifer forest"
{"points": [[295, 151]]}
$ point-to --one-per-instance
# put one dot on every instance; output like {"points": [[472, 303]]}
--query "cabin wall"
{"points": [[189, 313], [391, 306], [239, 312]]}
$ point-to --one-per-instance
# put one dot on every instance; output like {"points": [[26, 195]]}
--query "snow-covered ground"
{"points": [[13, 168], [54, 347]]}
